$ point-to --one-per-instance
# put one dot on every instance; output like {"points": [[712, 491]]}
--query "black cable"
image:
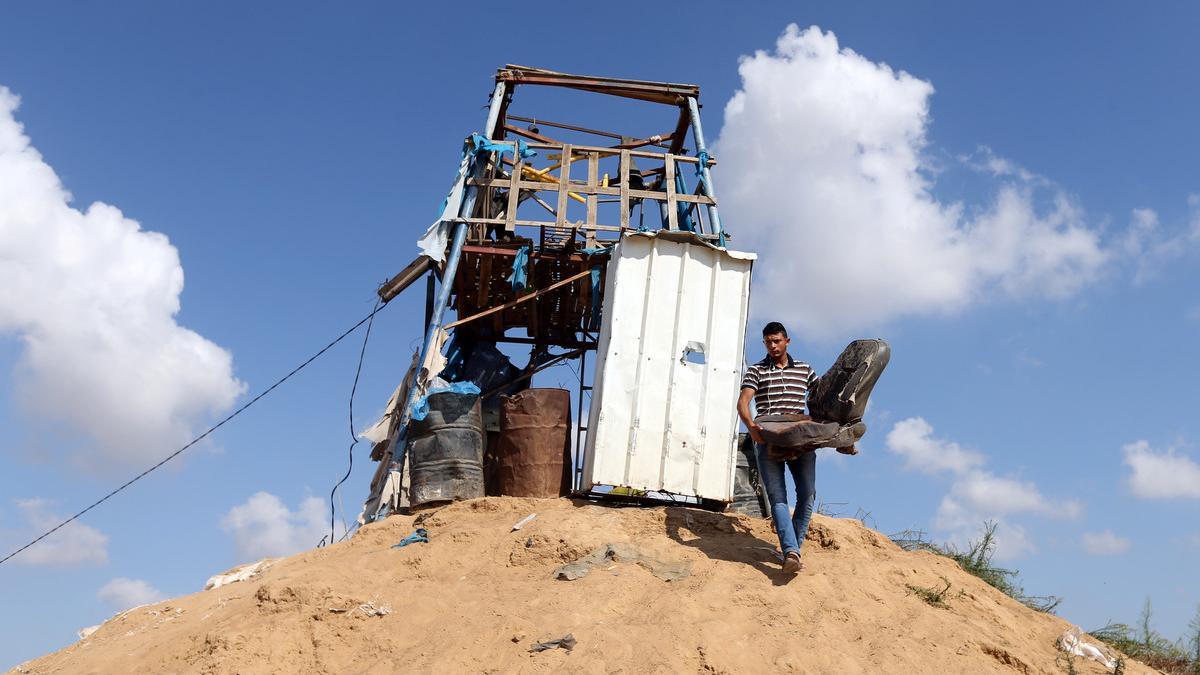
{"points": [[353, 437], [199, 438]]}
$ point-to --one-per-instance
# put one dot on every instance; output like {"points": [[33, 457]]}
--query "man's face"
{"points": [[776, 344]]}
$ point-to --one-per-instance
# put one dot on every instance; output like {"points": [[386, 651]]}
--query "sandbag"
{"points": [[840, 395]]}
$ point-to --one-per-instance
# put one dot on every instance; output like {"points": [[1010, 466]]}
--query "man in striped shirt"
{"points": [[779, 384]]}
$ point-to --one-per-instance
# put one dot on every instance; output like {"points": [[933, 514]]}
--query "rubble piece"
{"points": [[524, 521], [369, 609], [240, 573], [667, 570], [566, 642]]}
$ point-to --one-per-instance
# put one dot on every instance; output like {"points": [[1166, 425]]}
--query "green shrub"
{"points": [[977, 560]]}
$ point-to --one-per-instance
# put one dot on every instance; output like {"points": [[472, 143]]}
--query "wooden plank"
{"points": [[564, 180], [669, 181], [624, 186], [593, 179], [514, 196], [536, 223], [514, 303], [485, 281], [662, 196]]}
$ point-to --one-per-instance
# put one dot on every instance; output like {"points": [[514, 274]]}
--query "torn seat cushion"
{"points": [[789, 435]]}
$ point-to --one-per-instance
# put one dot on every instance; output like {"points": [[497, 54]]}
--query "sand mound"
{"points": [[665, 590]]}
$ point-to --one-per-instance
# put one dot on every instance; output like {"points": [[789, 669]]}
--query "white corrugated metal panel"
{"points": [[669, 363]]}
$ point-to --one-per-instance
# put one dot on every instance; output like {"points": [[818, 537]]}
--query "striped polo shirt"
{"points": [[779, 391]]}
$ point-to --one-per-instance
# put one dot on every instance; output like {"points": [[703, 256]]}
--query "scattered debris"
{"points": [[524, 521], [240, 573], [1071, 643], [84, 633], [665, 570], [369, 609], [566, 642], [421, 536]]}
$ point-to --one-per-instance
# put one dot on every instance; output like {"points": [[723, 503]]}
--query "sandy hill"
{"points": [[680, 590]]}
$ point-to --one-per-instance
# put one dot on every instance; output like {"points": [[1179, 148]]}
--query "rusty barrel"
{"points": [[446, 451], [533, 456]]}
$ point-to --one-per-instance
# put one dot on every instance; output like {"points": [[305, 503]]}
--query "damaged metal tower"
{"points": [[537, 245]]}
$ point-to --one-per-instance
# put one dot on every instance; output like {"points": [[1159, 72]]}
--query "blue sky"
{"points": [[1021, 178]]}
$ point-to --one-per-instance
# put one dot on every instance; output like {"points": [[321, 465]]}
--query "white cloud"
{"points": [[1104, 543], [913, 440], [1161, 475], [963, 525], [264, 526], [93, 298], [991, 495], [1150, 248], [975, 495], [822, 173], [122, 593], [74, 545]]}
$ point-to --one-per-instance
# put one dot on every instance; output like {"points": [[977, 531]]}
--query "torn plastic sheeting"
{"points": [[481, 144], [596, 300], [421, 536], [240, 573], [433, 243], [519, 278], [420, 407], [1071, 643], [567, 642]]}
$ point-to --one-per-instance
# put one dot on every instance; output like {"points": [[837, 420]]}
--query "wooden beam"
{"points": [[624, 187], [593, 180], [669, 181], [564, 179], [524, 298]]}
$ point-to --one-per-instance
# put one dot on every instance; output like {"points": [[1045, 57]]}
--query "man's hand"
{"points": [[755, 431]]}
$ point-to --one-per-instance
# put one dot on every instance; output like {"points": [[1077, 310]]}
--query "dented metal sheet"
{"points": [[669, 362]]}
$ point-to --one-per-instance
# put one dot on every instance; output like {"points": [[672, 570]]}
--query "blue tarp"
{"points": [[420, 407], [520, 272], [481, 144]]}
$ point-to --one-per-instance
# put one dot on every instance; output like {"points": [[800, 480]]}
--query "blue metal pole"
{"points": [[698, 134], [466, 206]]}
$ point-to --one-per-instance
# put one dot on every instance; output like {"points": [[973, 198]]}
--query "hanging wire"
{"points": [[199, 438], [353, 436]]}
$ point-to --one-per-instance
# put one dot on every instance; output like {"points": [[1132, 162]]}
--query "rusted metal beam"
{"points": [[659, 140], [658, 92], [535, 255], [681, 128], [404, 279], [526, 133], [568, 127]]}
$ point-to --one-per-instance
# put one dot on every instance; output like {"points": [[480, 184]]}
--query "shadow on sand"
{"points": [[724, 537]]}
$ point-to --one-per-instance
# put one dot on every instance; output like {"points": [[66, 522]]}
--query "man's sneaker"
{"points": [[791, 563]]}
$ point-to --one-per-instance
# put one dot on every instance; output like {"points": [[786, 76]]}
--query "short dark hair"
{"points": [[774, 328]]}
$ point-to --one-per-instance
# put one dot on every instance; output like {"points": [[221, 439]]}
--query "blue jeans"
{"points": [[790, 527]]}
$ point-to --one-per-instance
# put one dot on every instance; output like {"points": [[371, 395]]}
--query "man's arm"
{"points": [[743, 408]]}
